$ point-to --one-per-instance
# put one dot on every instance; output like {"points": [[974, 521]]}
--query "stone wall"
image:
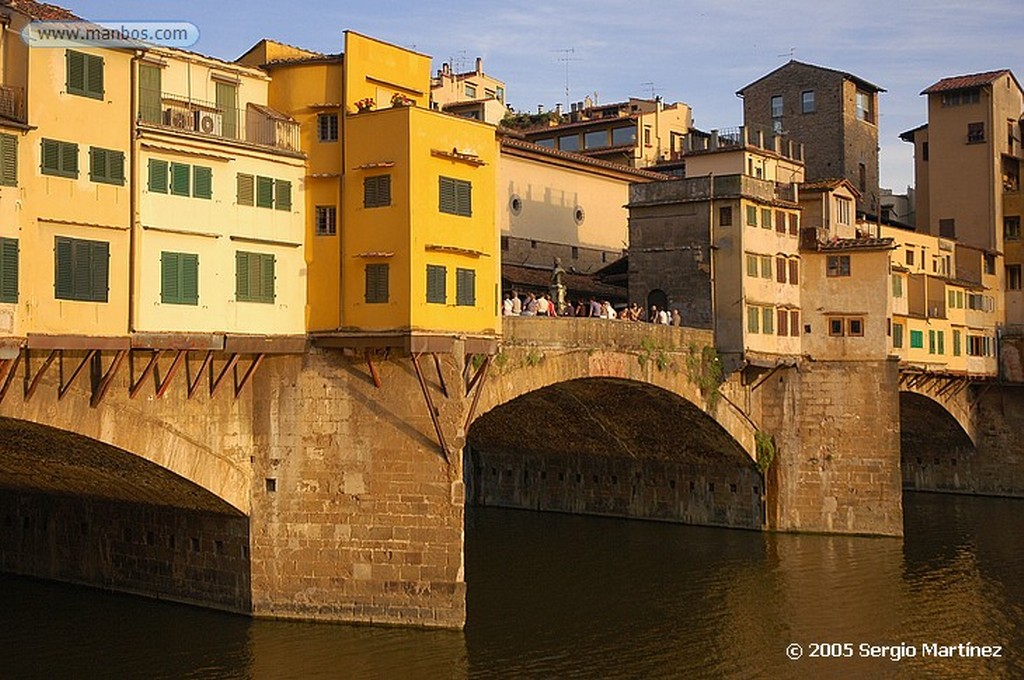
{"points": [[836, 430]]}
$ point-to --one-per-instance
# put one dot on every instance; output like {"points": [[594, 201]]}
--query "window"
{"points": [[865, 110], [499, 94], [179, 278], [947, 228], [623, 135], [931, 342], [1011, 227], [956, 343], [202, 181], [8, 160], [916, 339], [1013, 280], [254, 277], [753, 319], [910, 257], [575, 252], [780, 270], [8, 270], [766, 266], [246, 189], [838, 265], [862, 177], [326, 220], [752, 266], [180, 179], [282, 194], [471, 90], [794, 271], [766, 218], [855, 327], [782, 318], [897, 336], [836, 327], [961, 97], [595, 139], [377, 283], [264, 192], [978, 345], [940, 336], [455, 196], [897, 286], [777, 106], [794, 323], [843, 210], [807, 101], [106, 166], [975, 133], [794, 224], [924, 151], [465, 287], [767, 320], [436, 288], [82, 269], [59, 158], [84, 74], [226, 99], [990, 263], [780, 221], [647, 135], [751, 216], [725, 216], [150, 94], [569, 142], [549, 143], [327, 127]]}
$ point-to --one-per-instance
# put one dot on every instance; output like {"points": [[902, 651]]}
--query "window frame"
{"points": [[106, 166], [67, 285], [465, 287], [455, 196], [837, 265], [91, 85], [327, 127], [248, 261], [64, 154], [9, 262], [437, 284], [179, 278], [325, 220], [377, 282], [377, 191]]}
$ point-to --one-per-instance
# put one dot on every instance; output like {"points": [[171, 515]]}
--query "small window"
{"points": [[264, 192], [990, 263], [794, 323], [768, 320], [753, 319], [751, 216], [897, 286], [82, 269], [782, 321], [574, 253], [862, 177], [471, 90], [865, 106], [780, 221], [1013, 274], [377, 283], [246, 189], [179, 278], [106, 166], [282, 195], [596, 139], [725, 216], [59, 158], [975, 133], [838, 265], [794, 272], [327, 127], [766, 218], [8, 270], [158, 177], [855, 327], [916, 339], [766, 266], [455, 196], [947, 228], [836, 327], [8, 160], [897, 336], [569, 143], [957, 343], [777, 106], [436, 284], [752, 266], [843, 211], [1011, 227], [794, 224], [254, 277], [465, 287], [84, 74], [326, 220], [202, 181], [807, 101], [623, 136], [181, 179], [780, 270]]}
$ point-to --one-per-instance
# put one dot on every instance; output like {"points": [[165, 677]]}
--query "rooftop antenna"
{"points": [[458, 61], [788, 54], [649, 84], [567, 57]]}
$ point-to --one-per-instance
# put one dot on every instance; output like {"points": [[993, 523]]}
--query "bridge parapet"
{"points": [[606, 334]]}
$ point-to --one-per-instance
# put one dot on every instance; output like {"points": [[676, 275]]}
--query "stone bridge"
{"points": [[328, 483]]}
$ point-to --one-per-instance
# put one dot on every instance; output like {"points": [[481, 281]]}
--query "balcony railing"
{"points": [[262, 125], [12, 103], [743, 136]]}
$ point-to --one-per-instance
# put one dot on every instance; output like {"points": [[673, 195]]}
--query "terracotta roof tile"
{"points": [[857, 244], [40, 10], [964, 82], [513, 142]]}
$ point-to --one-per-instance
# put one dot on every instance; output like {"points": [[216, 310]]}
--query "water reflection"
{"points": [[557, 595]]}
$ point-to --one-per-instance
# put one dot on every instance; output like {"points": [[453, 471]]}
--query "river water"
{"points": [[568, 596]]}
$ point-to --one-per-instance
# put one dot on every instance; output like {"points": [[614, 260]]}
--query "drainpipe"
{"points": [[133, 186], [711, 257]]}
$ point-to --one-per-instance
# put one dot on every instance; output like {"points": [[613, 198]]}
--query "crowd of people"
{"points": [[542, 305]]}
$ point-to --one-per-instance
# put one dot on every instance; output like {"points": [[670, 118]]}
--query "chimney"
{"points": [[446, 69], [479, 66], [558, 110]]}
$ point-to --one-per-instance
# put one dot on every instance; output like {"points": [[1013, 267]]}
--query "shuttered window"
{"points": [[180, 180], [158, 176], [59, 158], [254, 277], [327, 127], [377, 283], [150, 94], [8, 270], [465, 287], [202, 181], [377, 191], [326, 220], [8, 161], [82, 269], [106, 166], [246, 189], [455, 196], [282, 194], [179, 278], [84, 74], [436, 276], [264, 192]]}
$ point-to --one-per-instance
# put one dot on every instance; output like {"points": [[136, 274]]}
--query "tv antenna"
{"points": [[567, 57], [788, 54], [650, 84]]}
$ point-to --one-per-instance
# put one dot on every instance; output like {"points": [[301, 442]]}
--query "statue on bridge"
{"points": [[557, 287]]}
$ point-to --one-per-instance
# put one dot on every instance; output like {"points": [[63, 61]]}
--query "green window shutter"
{"points": [[245, 189], [463, 198], [227, 101], [50, 157], [377, 283], [465, 287], [446, 195], [377, 191], [169, 281], [267, 278], [283, 195], [254, 277], [241, 275], [436, 276], [8, 270], [150, 95], [75, 72], [264, 192], [84, 74], [97, 164], [917, 339], [202, 182], [63, 281], [157, 176], [116, 166], [82, 269], [94, 76], [69, 159], [179, 278], [99, 270], [59, 158], [189, 267], [180, 179], [8, 160]]}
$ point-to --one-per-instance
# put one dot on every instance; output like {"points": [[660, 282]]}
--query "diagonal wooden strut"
{"points": [[12, 368], [373, 369], [480, 378], [137, 386], [253, 365], [30, 388], [430, 406], [215, 385], [193, 383], [164, 385], [440, 375], [107, 379], [63, 388]]}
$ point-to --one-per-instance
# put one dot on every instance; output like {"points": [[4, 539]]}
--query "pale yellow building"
{"points": [[471, 94]]}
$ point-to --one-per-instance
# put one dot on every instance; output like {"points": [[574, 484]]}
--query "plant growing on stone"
{"points": [[765, 445], [704, 369]]}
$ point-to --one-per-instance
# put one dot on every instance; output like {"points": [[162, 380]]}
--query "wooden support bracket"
{"points": [[480, 377], [193, 383], [430, 407], [164, 385], [215, 384], [64, 387], [137, 385], [373, 369], [108, 378], [11, 366], [30, 387], [440, 375], [253, 365]]}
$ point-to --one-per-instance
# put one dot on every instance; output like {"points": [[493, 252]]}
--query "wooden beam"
{"points": [[480, 378], [373, 369], [137, 386], [165, 384], [215, 385], [63, 388], [253, 365], [30, 389], [12, 368], [193, 385], [108, 378], [430, 407], [440, 375]]}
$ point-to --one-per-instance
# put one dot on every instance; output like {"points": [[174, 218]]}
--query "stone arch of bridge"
{"points": [[932, 412]]}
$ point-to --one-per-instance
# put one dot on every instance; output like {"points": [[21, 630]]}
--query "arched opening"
{"points": [[615, 447], [657, 298], [78, 510], [936, 454]]}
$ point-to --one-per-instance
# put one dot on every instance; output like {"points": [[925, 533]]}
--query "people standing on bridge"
{"points": [[542, 305], [677, 318], [595, 308], [663, 317], [582, 310], [517, 304], [506, 305], [529, 306], [552, 307], [653, 316]]}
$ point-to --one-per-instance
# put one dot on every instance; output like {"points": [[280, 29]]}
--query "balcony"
{"points": [[261, 125], [12, 103], [738, 138]]}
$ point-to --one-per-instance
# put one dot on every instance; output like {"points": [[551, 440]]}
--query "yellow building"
{"points": [[471, 94], [219, 178]]}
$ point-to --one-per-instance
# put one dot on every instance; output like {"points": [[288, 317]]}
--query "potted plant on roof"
{"points": [[364, 105], [399, 99]]}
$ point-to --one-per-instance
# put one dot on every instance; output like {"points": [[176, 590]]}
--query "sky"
{"points": [[696, 51]]}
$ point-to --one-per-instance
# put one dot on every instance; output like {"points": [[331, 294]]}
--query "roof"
{"points": [[830, 184], [793, 62], [968, 81], [39, 10], [908, 136], [590, 122], [857, 244], [273, 114], [515, 143]]}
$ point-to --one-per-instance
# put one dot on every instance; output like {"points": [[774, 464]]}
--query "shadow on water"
{"points": [[569, 596]]}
